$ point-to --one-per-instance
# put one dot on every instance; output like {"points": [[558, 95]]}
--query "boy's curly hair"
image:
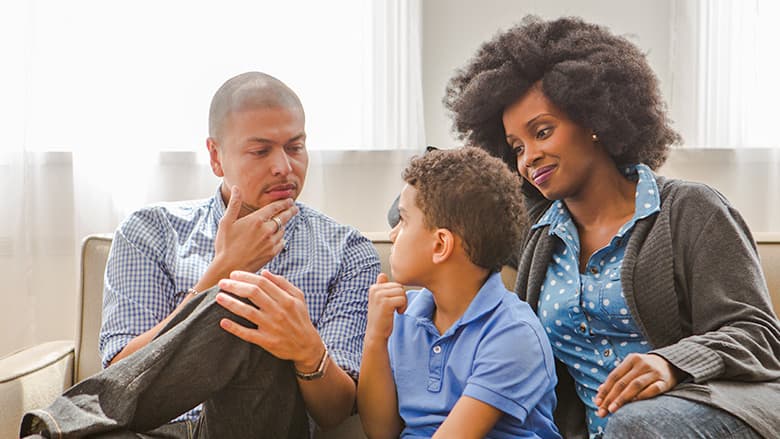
{"points": [[601, 81], [474, 196]]}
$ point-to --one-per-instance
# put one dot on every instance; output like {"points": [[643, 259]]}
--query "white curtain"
{"points": [[105, 108], [729, 97]]}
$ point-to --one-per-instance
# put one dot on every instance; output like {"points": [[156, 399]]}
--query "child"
{"points": [[462, 357]]}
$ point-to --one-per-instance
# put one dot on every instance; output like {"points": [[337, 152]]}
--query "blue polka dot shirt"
{"points": [[585, 314]]}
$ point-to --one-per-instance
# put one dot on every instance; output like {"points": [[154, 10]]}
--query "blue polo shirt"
{"points": [[497, 352]]}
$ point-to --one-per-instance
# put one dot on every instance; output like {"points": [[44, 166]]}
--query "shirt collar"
{"points": [[219, 205], [647, 200], [486, 299]]}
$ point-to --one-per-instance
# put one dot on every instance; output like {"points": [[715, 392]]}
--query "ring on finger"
{"points": [[278, 223]]}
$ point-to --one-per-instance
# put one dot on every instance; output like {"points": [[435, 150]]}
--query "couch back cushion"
{"points": [[96, 247]]}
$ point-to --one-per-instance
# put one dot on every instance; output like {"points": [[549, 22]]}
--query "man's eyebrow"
{"points": [[301, 136]]}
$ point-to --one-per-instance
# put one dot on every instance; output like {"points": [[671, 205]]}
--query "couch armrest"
{"points": [[32, 378]]}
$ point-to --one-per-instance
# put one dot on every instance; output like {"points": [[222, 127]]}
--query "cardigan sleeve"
{"points": [[724, 300]]}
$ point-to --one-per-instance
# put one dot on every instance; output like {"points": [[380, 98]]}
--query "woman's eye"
{"points": [[518, 149], [543, 133]]}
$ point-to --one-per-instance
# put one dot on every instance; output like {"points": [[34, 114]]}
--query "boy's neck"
{"points": [[454, 286]]}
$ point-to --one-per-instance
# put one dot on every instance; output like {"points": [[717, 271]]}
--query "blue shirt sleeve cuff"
{"points": [[496, 400]]}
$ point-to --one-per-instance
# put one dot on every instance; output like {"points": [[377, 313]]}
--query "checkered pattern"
{"points": [[161, 251]]}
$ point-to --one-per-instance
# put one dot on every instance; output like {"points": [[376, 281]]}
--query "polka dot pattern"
{"points": [[588, 309]]}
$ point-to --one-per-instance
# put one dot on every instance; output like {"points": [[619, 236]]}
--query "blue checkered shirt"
{"points": [[161, 251]]}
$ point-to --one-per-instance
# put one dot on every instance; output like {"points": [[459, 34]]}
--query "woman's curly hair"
{"points": [[601, 81]]}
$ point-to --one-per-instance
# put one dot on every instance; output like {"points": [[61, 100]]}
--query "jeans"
{"points": [[245, 391], [671, 417]]}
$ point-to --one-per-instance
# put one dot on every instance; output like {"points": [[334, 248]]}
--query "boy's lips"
{"points": [[541, 175]]}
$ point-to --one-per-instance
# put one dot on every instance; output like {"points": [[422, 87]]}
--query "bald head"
{"points": [[251, 90]]}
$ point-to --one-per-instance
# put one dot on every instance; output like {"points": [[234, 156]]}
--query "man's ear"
{"points": [[214, 159], [444, 245]]}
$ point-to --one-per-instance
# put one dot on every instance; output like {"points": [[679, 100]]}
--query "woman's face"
{"points": [[554, 154]]}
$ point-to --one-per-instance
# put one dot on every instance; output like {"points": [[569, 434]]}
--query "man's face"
{"points": [[263, 152]]}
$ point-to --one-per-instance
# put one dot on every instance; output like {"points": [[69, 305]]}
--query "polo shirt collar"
{"points": [[487, 298]]}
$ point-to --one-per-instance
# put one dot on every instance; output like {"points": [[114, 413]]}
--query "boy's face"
{"points": [[413, 243]]}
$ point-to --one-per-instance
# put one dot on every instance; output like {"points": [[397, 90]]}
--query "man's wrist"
{"points": [[312, 360], [319, 372]]}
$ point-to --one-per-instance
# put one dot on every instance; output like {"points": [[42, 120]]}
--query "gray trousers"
{"points": [[668, 416], [246, 392]]}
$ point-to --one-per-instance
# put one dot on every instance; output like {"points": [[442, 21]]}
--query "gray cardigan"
{"points": [[693, 283]]}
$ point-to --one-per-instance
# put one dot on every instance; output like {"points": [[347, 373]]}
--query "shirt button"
{"points": [[583, 327], [436, 349], [594, 270], [607, 352]]}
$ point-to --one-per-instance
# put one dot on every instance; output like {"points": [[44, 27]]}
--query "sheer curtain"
{"points": [[725, 89], [105, 110]]}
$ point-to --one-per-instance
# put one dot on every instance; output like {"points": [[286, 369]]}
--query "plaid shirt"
{"points": [[161, 251]]}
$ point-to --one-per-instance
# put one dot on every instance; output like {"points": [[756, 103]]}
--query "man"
{"points": [[259, 358]]}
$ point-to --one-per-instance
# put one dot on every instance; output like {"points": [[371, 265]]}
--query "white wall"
{"points": [[453, 30]]}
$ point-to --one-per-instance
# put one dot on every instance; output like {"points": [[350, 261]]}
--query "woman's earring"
{"points": [[595, 137]]}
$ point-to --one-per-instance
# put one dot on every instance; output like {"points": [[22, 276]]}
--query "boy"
{"points": [[463, 357]]}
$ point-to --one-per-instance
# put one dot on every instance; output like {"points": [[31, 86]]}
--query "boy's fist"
{"points": [[383, 298]]}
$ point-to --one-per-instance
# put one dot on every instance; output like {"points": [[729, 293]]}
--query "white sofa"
{"points": [[33, 377]]}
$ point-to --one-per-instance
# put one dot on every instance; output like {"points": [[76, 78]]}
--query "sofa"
{"points": [[33, 377]]}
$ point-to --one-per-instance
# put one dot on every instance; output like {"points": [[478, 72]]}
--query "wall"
{"points": [[453, 30]]}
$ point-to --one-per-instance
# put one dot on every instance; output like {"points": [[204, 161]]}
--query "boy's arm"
{"points": [[377, 399], [470, 418]]}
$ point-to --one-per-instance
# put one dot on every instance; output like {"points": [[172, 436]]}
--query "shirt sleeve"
{"points": [[513, 369], [343, 323], [138, 289]]}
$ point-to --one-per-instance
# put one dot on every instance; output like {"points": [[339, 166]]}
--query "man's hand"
{"points": [[639, 376], [284, 328], [248, 243], [383, 298]]}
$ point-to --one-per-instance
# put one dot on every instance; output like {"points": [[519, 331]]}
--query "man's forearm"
{"points": [[329, 399], [145, 338]]}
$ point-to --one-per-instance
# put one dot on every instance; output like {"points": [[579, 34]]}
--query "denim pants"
{"points": [[671, 417], [246, 392]]}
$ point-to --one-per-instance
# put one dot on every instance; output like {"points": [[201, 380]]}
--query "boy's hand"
{"points": [[383, 298]]}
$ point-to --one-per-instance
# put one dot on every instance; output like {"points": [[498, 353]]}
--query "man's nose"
{"points": [[281, 163]]}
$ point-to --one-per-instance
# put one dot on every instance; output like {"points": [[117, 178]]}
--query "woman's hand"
{"points": [[639, 376]]}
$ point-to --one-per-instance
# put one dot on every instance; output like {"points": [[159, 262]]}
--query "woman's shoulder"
{"points": [[690, 196]]}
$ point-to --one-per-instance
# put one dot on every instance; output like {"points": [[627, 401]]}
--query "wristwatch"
{"points": [[317, 373]]}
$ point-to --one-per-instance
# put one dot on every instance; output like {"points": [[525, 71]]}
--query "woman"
{"points": [[650, 288]]}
